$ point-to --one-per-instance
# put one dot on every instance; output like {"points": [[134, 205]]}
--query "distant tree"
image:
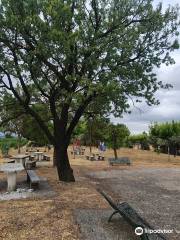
{"points": [[141, 139], [116, 136], [166, 136], [97, 128], [66, 55]]}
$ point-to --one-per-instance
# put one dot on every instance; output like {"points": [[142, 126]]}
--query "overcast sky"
{"points": [[169, 108]]}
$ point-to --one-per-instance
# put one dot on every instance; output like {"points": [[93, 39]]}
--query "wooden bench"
{"points": [[121, 160], [32, 178], [132, 217]]}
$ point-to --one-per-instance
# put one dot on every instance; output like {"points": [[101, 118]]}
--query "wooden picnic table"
{"points": [[11, 169]]}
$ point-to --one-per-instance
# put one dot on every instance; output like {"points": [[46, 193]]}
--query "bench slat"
{"points": [[33, 176]]}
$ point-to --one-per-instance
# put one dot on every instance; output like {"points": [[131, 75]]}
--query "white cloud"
{"points": [[169, 108]]}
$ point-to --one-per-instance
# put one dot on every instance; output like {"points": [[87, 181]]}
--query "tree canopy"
{"points": [[166, 136], [116, 136], [142, 139], [66, 55]]}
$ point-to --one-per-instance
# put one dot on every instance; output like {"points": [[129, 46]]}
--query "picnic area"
{"points": [[78, 211], [89, 120]]}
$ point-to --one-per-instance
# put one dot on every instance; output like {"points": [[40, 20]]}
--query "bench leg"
{"points": [[11, 179], [28, 179], [112, 215]]}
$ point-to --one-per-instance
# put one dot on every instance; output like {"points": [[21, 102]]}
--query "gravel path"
{"points": [[154, 193], [94, 226]]}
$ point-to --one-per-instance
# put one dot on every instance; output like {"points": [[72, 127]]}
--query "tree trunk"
{"points": [[115, 153], [19, 142], [54, 158], [64, 169]]}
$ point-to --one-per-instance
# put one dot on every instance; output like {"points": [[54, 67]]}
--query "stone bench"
{"points": [[32, 178], [98, 157], [81, 152], [91, 158], [121, 160], [46, 157]]}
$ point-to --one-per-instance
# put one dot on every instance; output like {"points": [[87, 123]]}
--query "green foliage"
{"points": [[165, 130], [12, 142], [165, 135], [92, 130], [32, 131], [100, 129], [142, 139], [117, 135], [14, 120], [67, 55]]}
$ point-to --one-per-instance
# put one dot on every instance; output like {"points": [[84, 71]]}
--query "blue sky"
{"points": [[169, 108]]}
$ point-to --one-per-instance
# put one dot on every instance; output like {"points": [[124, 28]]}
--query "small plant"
{"points": [[4, 149]]}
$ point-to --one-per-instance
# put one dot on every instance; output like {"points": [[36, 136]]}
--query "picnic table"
{"points": [[20, 158], [95, 157], [11, 169], [39, 155], [78, 151]]}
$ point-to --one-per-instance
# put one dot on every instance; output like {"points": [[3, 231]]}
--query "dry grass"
{"points": [[52, 218]]}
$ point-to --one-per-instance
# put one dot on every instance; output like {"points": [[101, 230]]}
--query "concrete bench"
{"points": [[32, 178], [121, 160], [91, 158], [95, 157], [76, 152], [46, 157], [100, 158]]}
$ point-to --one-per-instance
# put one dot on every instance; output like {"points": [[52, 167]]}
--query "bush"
{"points": [[12, 142]]}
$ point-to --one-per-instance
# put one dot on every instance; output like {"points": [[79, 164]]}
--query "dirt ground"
{"points": [[53, 217]]}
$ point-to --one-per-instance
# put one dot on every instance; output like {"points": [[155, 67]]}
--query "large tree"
{"points": [[67, 54]]}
